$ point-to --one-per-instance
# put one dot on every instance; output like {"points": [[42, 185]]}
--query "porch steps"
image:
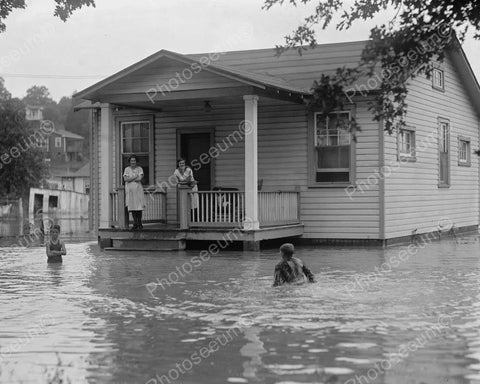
{"points": [[119, 244]]}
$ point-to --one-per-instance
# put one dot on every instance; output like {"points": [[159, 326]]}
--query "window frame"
{"points": [[131, 119], [412, 157], [468, 161], [442, 77], [58, 139], [442, 183], [312, 155]]}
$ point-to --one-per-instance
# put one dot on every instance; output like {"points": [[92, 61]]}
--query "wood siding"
{"points": [[413, 199]]}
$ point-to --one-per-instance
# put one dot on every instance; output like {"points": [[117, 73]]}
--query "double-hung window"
{"points": [[136, 139], [464, 151], [438, 79], [333, 149], [444, 152], [406, 144]]}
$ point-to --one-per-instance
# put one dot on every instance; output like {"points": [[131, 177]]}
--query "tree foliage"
{"points": [[63, 8], [415, 37], [21, 165]]}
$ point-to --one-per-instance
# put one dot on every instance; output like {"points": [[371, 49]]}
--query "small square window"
{"points": [[58, 142], [406, 144], [438, 80], [464, 152]]}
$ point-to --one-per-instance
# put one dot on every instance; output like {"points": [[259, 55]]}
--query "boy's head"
{"points": [[287, 250], [55, 229]]}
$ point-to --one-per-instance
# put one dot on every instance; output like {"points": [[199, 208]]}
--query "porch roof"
{"points": [[243, 77]]}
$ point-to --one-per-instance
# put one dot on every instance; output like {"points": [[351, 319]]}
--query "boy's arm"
{"points": [[309, 274], [278, 277]]}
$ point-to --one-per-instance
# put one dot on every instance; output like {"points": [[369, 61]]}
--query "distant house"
{"points": [[63, 145], [317, 183], [34, 113], [65, 179]]}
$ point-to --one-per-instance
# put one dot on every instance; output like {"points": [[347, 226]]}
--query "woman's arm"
{"points": [[128, 176], [139, 177], [64, 250], [47, 248]]}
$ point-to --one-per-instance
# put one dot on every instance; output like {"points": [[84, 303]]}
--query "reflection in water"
{"points": [[106, 328]]}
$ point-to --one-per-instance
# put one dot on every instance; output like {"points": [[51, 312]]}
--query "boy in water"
{"points": [[55, 247], [291, 269]]}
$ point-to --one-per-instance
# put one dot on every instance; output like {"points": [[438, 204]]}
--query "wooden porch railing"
{"points": [[227, 208], [217, 209], [277, 208], [155, 208]]}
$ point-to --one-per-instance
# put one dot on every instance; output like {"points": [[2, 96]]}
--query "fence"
{"points": [[11, 218]]}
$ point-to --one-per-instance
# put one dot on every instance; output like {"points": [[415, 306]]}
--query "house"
{"points": [[63, 146], [240, 120], [33, 113], [70, 180]]}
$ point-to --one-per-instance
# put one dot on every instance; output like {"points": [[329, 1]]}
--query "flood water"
{"points": [[371, 317]]}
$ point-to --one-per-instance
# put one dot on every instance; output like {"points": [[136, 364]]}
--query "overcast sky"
{"points": [[97, 42]]}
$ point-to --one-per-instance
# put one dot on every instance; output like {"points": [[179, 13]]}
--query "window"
{"points": [[332, 154], [438, 79], [406, 143], [136, 138], [58, 142], [464, 151], [444, 151], [53, 202], [42, 143]]}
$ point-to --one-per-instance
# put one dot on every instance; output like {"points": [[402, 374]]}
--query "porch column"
{"points": [[106, 164], [251, 163]]}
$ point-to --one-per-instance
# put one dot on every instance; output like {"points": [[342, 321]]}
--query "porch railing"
{"points": [[227, 208], [277, 208], [155, 208], [216, 208]]}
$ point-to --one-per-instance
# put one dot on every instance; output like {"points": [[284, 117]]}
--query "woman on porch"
{"points": [[184, 176], [134, 196]]}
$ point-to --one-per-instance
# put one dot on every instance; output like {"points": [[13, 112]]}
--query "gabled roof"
{"points": [[67, 134], [240, 75], [84, 171]]}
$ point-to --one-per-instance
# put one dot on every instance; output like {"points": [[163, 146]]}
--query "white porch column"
{"points": [[251, 163], [105, 164]]}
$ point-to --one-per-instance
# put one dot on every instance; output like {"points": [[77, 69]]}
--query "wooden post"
{"points": [[122, 212], [251, 163], [183, 205], [106, 164], [20, 216]]}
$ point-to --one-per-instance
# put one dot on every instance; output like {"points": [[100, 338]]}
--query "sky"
{"points": [[40, 49]]}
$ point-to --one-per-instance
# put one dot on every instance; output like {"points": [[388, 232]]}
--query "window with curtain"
{"points": [[333, 147]]}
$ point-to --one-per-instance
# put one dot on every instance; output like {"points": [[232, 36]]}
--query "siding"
{"points": [[413, 200]]}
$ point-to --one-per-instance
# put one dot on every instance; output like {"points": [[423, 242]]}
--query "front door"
{"points": [[194, 149]]}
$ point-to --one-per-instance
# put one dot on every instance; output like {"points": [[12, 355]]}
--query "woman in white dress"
{"points": [[134, 196], [184, 176]]}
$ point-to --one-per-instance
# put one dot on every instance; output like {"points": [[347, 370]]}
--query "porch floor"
{"points": [[154, 236]]}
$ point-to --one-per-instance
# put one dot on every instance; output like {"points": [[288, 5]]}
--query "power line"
{"points": [[38, 76]]}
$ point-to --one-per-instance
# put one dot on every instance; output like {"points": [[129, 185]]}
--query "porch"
{"points": [[219, 216]]}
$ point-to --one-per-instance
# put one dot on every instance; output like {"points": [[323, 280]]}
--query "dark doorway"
{"points": [[194, 149]]}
